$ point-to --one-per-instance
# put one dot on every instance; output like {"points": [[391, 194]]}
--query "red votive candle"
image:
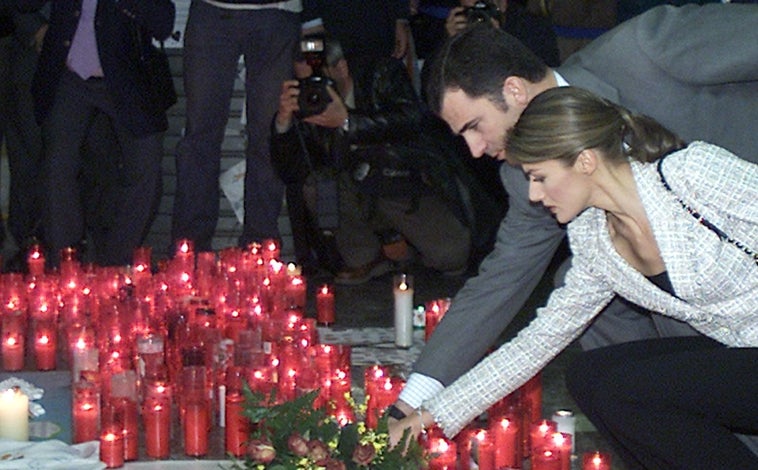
{"points": [[444, 454], [196, 428], [157, 419], [531, 397], [325, 305], [44, 348], [13, 352], [506, 443], [85, 415], [127, 410], [237, 429], [295, 292], [485, 451], [433, 313], [35, 261], [112, 449], [237, 426], [561, 442], [540, 432], [596, 461], [545, 459], [13, 327]]}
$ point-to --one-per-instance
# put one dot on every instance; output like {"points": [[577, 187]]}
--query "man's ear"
{"points": [[515, 91], [586, 162]]}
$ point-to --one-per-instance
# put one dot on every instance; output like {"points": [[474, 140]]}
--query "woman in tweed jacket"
{"points": [[596, 165]]}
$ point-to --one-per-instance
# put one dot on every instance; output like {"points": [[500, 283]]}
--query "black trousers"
{"points": [[672, 403], [137, 191]]}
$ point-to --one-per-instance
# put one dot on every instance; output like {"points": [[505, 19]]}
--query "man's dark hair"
{"points": [[477, 61]]}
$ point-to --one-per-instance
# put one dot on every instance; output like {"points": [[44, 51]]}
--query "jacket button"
{"points": [[77, 13], [66, 43]]}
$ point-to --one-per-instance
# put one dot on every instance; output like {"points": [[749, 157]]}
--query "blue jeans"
{"points": [[214, 40]]}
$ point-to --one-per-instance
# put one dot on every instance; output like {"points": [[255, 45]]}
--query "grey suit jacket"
{"points": [[716, 283], [693, 68]]}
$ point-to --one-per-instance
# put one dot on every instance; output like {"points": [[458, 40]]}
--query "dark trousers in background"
{"points": [[672, 403], [215, 38], [78, 104], [23, 141]]}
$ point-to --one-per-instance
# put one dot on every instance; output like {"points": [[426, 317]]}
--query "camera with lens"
{"points": [[480, 12], [314, 96]]}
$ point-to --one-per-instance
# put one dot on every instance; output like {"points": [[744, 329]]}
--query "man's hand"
{"points": [[333, 116], [456, 21], [287, 104]]}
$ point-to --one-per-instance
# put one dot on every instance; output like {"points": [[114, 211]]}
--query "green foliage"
{"points": [[277, 422]]}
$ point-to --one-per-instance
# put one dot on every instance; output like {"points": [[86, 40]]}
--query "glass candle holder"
{"points": [[505, 431], [13, 338], [485, 450], [434, 311], [539, 434], [156, 416], [325, 309], [112, 448], [545, 458], [596, 460], [45, 345], [35, 261], [444, 454], [195, 411], [561, 443], [85, 413], [237, 426]]}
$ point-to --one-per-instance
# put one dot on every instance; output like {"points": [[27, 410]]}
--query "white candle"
{"points": [[14, 415], [402, 288]]}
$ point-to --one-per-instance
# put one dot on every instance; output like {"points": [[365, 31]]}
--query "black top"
{"points": [[663, 282]]}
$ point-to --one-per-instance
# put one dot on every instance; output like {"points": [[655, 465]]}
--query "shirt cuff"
{"points": [[281, 129], [418, 388]]}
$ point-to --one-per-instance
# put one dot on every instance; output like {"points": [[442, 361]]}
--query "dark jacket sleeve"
{"points": [[387, 106], [526, 242], [156, 16]]}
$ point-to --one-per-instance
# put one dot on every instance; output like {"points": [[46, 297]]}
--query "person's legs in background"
{"points": [[357, 238], [136, 196], [25, 155], [64, 132], [269, 42], [5, 95], [442, 241], [211, 55]]}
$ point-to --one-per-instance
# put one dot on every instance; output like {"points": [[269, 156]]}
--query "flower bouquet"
{"points": [[296, 436]]}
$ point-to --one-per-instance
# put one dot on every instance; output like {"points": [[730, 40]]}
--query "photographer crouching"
{"points": [[361, 193]]}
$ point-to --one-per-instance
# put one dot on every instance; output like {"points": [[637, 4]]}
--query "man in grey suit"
{"points": [[693, 68]]}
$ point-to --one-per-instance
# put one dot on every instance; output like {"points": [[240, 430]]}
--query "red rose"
{"points": [[261, 451], [317, 451], [364, 454], [297, 445], [332, 464]]}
